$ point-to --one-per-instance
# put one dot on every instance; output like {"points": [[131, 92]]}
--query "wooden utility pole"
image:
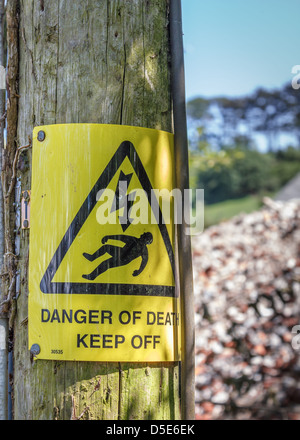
{"points": [[93, 61]]}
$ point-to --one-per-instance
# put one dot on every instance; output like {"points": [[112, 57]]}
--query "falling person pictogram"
{"points": [[120, 255]]}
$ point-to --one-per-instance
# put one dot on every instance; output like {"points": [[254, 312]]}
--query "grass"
{"points": [[218, 212]]}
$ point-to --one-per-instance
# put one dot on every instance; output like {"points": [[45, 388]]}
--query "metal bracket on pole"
{"points": [[25, 209], [3, 369]]}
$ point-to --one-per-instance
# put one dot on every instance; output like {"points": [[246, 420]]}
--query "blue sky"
{"points": [[234, 46]]}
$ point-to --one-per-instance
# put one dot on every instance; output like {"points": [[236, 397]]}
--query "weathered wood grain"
{"points": [[99, 61]]}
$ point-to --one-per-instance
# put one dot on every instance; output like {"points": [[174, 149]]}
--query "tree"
{"points": [[233, 172], [272, 115], [98, 62]]}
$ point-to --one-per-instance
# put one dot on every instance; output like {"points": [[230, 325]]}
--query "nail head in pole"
{"points": [[35, 349], [41, 136]]}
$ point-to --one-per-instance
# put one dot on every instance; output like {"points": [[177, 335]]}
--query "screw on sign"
{"points": [[41, 136], [35, 349]]}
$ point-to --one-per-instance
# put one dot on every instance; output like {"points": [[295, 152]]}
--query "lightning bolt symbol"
{"points": [[121, 200]]}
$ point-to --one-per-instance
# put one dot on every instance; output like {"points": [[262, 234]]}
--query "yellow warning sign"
{"points": [[101, 266]]}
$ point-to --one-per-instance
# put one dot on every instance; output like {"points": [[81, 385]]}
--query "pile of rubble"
{"points": [[247, 299]]}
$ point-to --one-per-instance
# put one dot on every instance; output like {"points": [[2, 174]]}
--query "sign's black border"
{"points": [[126, 149]]}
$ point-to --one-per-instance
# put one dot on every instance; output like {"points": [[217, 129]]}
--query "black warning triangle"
{"points": [[126, 149]]}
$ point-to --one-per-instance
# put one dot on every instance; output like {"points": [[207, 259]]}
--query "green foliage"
{"points": [[290, 154], [224, 156], [264, 114], [197, 108], [218, 212], [237, 172]]}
